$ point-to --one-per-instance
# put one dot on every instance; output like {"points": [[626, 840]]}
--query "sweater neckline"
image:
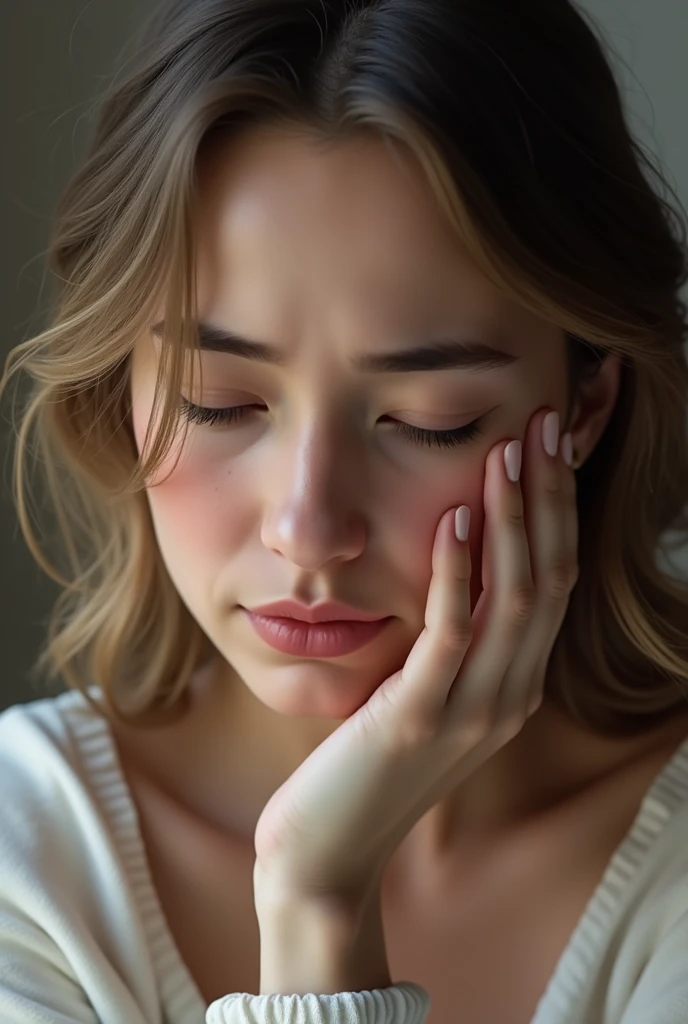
{"points": [[181, 997]]}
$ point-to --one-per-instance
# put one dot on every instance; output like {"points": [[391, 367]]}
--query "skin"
{"points": [[327, 255]]}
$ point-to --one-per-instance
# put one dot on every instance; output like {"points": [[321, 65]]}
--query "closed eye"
{"points": [[416, 435]]}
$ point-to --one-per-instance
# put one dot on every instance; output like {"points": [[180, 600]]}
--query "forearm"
{"points": [[306, 947]]}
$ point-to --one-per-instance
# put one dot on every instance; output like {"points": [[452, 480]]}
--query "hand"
{"points": [[468, 686]]}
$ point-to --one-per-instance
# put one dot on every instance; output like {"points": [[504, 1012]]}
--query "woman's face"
{"points": [[316, 494]]}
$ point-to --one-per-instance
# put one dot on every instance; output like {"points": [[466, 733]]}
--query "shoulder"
{"points": [[55, 769], [39, 756], [35, 749], [647, 881], [72, 888]]}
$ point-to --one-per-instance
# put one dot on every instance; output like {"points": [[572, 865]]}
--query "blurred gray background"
{"points": [[59, 56]]}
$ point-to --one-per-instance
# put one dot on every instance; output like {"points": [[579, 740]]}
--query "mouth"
{"points": [[330, 639]]}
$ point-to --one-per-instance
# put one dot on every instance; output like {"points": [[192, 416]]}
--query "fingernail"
{"points": [[512, 460], [462, 520], [550, 433]]}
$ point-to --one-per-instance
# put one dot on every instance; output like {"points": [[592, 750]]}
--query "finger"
{"points": [[508, 604], [569, 490], [548, 501], [571, 533], [437, 655], [571, 529]]}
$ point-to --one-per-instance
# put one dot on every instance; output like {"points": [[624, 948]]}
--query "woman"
{"points": [[367, 307]]}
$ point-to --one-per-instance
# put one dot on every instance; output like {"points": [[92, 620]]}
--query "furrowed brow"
{"points": [[442, 354]]}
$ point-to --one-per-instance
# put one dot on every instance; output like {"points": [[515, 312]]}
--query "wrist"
{"points": [[321, 946]]}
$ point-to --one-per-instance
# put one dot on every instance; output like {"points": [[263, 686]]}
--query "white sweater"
{"points": [[83, 938]]}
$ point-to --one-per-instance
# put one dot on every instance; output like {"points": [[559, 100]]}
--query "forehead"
{"points": [[354, 208], [286, 181], [289, 230]]}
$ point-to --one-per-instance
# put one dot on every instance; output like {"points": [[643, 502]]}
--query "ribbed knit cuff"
{"points": [[402, 1003]]}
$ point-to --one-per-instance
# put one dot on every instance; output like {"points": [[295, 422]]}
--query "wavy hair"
{"points": [[516, 118]]}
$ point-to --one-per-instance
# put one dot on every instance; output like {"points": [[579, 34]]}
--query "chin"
{"points": [[312, 689]]}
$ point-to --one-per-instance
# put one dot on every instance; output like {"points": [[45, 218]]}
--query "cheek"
{"points": [[199, 516], [200, 527], [412, 525], [198, 508]]}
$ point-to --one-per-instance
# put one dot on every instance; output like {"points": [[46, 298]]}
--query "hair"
{"points": [[514, 115]]}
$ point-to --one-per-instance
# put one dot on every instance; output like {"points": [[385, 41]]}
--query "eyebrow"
{"points": [[442, 354]]}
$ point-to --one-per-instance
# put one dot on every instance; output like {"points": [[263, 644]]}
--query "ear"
{"points": [[594, 404]]}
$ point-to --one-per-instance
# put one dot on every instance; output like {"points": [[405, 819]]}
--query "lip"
{"points": [[300, 639], [326, 611]]}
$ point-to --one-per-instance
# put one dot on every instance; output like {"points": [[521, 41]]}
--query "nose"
{"points": [[313, 499]]}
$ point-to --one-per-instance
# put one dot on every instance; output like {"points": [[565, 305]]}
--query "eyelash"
{"points": [[427, 438]]}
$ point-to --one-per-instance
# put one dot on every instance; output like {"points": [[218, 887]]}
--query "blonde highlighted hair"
{"points": [[517, 121]]}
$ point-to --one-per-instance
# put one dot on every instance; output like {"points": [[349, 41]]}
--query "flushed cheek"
{"points": [[413, 525], [200, 523], [188, 494]]}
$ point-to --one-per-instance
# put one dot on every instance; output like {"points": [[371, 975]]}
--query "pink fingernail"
{"points": [[512, 460], [462, 521]]}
